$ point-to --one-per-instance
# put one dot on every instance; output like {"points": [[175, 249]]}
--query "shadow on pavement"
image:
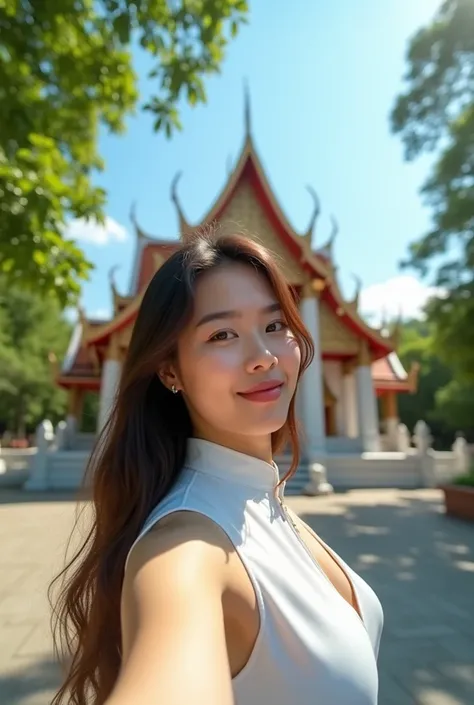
{"points": [[19, 496], [421, 565], [34, 682]]}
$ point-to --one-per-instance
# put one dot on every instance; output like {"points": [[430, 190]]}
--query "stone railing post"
{"points": [[318, 483], [38, 479], [62, 439], [461, 455], [422, 437], [3, 465], [403, 439]]}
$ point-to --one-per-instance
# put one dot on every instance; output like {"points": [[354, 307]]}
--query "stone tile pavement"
{"points": [[420, 563]]}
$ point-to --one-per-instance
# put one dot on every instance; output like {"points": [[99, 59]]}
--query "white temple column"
{"points": [[111, 372], [312, 398], [367, 403], [349, 396]]}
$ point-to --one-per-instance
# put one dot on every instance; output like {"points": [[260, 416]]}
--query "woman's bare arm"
{"points": [[174, 647]]}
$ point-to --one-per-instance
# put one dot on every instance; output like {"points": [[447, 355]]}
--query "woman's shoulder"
{"points": [[181, 534]]}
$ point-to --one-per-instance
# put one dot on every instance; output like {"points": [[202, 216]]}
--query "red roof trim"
{"points": [[89, 383], [381, 387], [378, 348]]}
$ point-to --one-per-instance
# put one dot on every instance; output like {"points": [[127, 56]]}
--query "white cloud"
{"points": [[71, 314], [100, 314], [84, 230], [403, 295]]}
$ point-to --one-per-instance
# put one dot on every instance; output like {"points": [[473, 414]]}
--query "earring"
{"points": [[173, 389]]}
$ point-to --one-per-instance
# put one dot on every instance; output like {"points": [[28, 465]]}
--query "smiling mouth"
{"points": [[263, 393]]}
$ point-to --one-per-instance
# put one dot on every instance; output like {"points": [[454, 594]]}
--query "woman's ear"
{"points": [[169, 377]]}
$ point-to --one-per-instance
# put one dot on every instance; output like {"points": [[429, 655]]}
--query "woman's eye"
{"points": [[220, 336], [276, 326]]}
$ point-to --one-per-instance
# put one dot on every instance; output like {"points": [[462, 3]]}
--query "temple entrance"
{"points": [[330, 402]]}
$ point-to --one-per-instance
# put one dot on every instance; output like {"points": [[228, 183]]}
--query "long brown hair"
{"points": [[138, 457]]}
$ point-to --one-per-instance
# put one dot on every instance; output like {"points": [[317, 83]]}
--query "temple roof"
{"points": [[317, 265], [309, 265], [389, 374]]}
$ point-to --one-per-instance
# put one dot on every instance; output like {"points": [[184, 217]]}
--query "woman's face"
{"points": [[237, 339]]}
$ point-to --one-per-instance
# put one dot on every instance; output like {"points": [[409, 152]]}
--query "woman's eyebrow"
{"points": [[219, 315]]}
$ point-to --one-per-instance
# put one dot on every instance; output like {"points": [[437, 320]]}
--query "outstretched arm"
{"points": [[172, 619]]}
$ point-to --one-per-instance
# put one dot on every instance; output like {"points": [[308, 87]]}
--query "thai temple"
{"points": [[347, 401]]}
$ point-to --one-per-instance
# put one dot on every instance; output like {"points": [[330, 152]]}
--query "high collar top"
{"points": [[231, 465]]}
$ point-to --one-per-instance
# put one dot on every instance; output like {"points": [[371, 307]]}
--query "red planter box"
{"points": [[459, 501]]}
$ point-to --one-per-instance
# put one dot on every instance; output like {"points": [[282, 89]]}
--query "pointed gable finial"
{"points": [[133, 217], [112, 282], [356, 299], [183, 223], [174, 189], [133, 212], [327, 249], [247, 111], [334, 232], [315, 214], [397, 326], [113, 287]]}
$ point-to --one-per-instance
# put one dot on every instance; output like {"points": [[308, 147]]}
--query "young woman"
{"points": [[196, 583]]}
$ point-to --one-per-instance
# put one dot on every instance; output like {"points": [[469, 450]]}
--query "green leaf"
{"points": [[65, 75]]}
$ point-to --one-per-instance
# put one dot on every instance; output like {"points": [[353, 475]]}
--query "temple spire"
{"points": [[247, 111]]}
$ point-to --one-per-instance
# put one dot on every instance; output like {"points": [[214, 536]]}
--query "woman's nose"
{"points": [[261, 358]]}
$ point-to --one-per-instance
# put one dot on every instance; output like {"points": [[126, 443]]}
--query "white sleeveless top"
{"points": [[312, 647]]}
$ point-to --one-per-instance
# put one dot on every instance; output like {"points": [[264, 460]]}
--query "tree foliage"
{"points": [[436, 112], [30, 328], [442, 400], [65, 70]]}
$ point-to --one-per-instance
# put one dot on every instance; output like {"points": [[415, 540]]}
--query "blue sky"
{"points": [[323, 77]]}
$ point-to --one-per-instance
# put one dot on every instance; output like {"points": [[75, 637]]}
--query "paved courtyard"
{"points": [[420, 563]]}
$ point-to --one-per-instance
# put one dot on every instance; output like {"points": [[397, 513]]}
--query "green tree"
{"points": [[442, 400], [66, 69], [30, 328], [416, 345], [455, 406], [436, 113]]}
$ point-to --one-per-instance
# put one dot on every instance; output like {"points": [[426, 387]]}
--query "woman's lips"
{"points": [[264, 395]]}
